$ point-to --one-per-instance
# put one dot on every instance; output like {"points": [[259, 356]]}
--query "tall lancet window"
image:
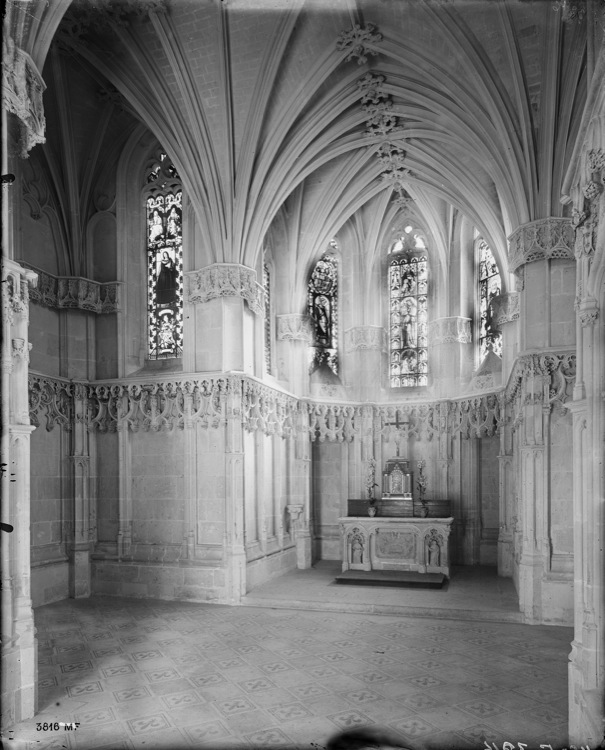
{"points": [[408, 311], [490, 285], [164, 212], [267, 289], [322, 306]]}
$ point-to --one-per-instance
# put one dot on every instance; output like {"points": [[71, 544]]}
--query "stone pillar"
{"points": [[225, 298], [587, 657], [363, 350], [293, 340], [450, 360], [19, 648], [541, 256]]}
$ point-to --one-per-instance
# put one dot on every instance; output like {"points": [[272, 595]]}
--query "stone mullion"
{"points": [[299, 506], [125, 509], [190, 481], [532, 493], [259, 479], [79, 542], [278, 489], [234, 492], [505, 474]]}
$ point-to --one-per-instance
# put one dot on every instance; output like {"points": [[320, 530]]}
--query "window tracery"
{"points": [[490, 286], [164, 214], [322, 307], [408, 311]]}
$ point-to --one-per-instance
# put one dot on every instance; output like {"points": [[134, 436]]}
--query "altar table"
{"points": [[395, 543]]}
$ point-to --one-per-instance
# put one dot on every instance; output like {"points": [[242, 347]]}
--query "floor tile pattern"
{"points": [[154, 674]]}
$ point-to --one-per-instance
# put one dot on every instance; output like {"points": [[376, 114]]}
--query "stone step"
{"points": [[398, 578]]}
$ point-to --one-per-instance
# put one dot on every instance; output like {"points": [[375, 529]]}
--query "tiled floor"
{"points": [[153, 674]]}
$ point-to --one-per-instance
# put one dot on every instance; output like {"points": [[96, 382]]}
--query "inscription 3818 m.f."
{"points": [[395, 544]]}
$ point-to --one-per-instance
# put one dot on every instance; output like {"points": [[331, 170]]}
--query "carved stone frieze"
{"points": [[505, 308], [21, 350], [542, 239], [63, 292], [454, 330], [293, 327], [268, 410], [557, 370], [16, 283], [586, 213], [22, 88], [355, 42], [364, 337], [226, 280]]}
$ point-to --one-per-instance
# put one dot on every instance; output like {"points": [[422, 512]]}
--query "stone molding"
{"points": [[364, 337], [539, 240], [226, 280], [294, 327], [454, 330], [505, 308], [22, 89], [75, 292]]}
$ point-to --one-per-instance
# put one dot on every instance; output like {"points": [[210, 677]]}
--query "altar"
{"points": [[418, 545]]}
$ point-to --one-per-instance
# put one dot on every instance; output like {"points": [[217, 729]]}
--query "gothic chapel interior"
{"points": [[252, 251]]}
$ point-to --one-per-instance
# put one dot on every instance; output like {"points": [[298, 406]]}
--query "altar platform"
{"points": [[474, 594]]}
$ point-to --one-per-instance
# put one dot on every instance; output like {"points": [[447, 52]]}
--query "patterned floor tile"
{"points": [[213, 730], [230, 707], [311, 690], [182, 700], [269, 738], [129, 694], [412, 727], [289, 712], [350, 719]]}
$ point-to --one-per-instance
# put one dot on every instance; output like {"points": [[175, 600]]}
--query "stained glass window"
{"points": [[322, 305], [164, 205], [490, 286], [267, 288], [408, 312]]}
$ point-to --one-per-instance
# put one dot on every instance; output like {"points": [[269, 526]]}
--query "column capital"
{"points": [[225, 280], [293, 327], [454, 330], [543, 239]]}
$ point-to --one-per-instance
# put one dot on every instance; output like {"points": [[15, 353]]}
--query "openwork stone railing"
{"points": [[63, 292], [182, 403]]}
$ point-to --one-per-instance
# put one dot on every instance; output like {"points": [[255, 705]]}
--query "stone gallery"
{"points": [[300, 283]]}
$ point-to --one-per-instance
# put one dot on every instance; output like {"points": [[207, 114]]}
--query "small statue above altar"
{"points": [[397, 484], [397, 479]]}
